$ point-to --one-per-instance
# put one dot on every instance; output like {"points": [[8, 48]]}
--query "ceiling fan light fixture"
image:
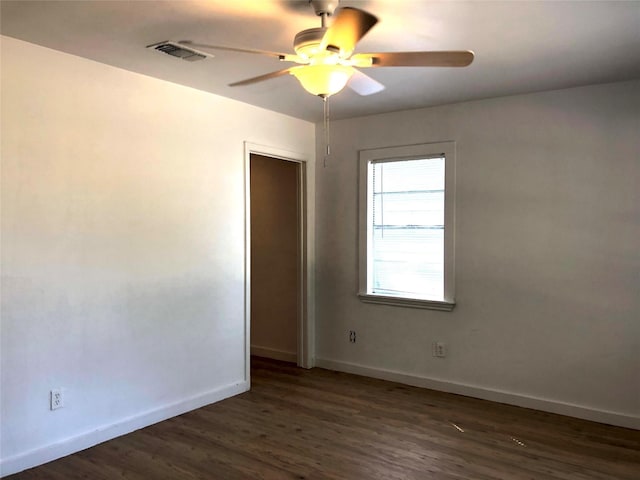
{"points": [[322, 80], [325, 54]]}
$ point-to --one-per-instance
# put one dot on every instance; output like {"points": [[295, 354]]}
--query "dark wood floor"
{"points": [[317, 424]]}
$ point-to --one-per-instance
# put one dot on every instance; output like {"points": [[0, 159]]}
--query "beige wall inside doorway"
{"points": [[275, 257]]}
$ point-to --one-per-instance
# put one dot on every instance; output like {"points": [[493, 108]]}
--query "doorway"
{"points": [[275, 252], [304, 330]]}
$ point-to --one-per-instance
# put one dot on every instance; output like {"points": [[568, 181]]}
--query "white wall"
{"points": [[547, 254], [122, 248]]}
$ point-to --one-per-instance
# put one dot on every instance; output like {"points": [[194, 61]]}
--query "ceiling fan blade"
{"points": [[281, 56], [260, 78], [415, 59], [349, 26], [363, 84]]}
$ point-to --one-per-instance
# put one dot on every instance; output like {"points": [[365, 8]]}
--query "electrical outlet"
{"points": [[56, 399], [439, 349], [352, 336]]}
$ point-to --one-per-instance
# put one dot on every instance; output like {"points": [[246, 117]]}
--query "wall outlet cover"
{"points": [[56, 399]]}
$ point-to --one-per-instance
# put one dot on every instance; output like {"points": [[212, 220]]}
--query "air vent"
{"points": [[177, 50]]}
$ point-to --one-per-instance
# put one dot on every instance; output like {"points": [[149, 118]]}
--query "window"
{"points": [[406, 225]]}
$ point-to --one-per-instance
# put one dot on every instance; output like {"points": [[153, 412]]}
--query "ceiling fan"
{"points": [[325, 59]]}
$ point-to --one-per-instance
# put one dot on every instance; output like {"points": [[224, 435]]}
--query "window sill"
{"points": [[407, 302]]}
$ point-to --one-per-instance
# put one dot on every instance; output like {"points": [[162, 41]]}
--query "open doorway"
{"points": [[275, 257], [284, 285]]}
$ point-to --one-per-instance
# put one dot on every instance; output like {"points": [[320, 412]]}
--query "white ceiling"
{"points": [[520, 46]]}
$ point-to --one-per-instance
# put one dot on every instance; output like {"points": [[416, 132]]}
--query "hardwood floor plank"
{"points": [[318, 424]]}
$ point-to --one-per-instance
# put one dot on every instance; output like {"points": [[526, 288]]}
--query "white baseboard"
{"points": [[85, 440], [545, 405], [273, 353]]}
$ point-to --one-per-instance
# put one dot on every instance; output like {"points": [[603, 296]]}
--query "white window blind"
{"points": [[406, 231], [407, 226]]}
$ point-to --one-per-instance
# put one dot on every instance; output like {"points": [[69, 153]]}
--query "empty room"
{"points": [[312, 239]]}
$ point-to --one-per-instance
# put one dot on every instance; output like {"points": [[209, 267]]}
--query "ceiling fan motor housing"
{"points": [[307, 42]]}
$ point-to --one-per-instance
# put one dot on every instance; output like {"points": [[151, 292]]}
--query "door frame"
{"points": [[306, 272]]}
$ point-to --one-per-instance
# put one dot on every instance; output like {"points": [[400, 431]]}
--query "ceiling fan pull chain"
{"points": [[327, 139]]}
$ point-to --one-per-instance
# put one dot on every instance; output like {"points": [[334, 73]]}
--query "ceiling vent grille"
{"points": [[176, 50]]}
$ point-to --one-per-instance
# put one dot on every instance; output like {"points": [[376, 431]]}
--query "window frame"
{"points": [[403, 153]]}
